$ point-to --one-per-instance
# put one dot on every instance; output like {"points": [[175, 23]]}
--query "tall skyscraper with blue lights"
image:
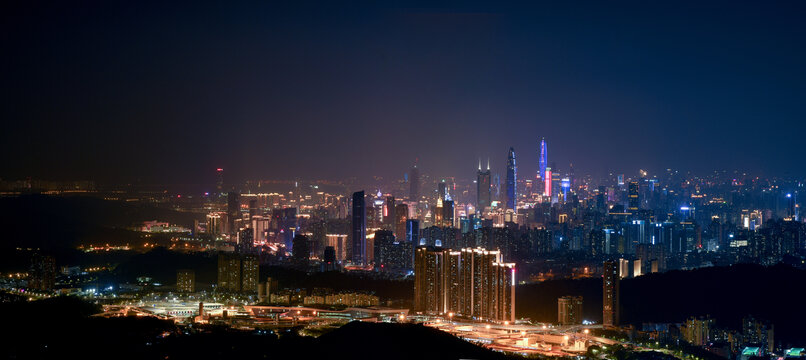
{"points": [[359, 240], [512, 182]]}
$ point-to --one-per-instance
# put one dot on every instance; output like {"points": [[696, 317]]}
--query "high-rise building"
{"points": [[301, 251], [229, 272], [543, 163], [547, 183], [359, 227], [389, 213], [633, 202], [401, 217], [414, 184], [698, 331], [233, 211], [219, 180], [610, 287], [42, 275], [185, 281], [330, 258], [448, 213], [569, 310], [471, 283], [512, 181], [246, 240], [238, 273], [483, 194]]}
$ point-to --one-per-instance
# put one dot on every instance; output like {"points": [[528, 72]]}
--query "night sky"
{"points": [[118, 91]]}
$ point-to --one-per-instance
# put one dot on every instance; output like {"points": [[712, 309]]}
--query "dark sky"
{"points": [[112, 90]]}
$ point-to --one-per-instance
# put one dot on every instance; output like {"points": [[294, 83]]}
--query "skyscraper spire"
{"points": [[479, 164], [488, 164]]}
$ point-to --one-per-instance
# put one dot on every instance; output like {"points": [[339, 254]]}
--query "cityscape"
{"points": [[145, 218]]}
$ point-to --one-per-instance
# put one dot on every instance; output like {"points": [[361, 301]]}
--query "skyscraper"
{"points": [[359, 233], [471, 283], [233, 211], [543, 163], [610, 290], [512, 181], [634, 202], [483, 195], [414, 184]]}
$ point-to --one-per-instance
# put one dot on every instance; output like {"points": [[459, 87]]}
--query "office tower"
{"points": [[389, 213], [564, 187], [330, 258], [543, 163], [214, 224], [359, 233], [448, 213], [401, 217], [301, 251], [470, 283], [391, 254], [246, 240], [219, 181], [414, 184], [284, 225], [633, 202], [442, 190], [610, 285], [233, 211], [512, 181], [185, 281], [43, 273], [547, 182], [483, 195], [569, 310], [250, 271], [413, 231]]}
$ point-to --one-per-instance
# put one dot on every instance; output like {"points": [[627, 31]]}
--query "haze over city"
{"points": [[164, 92]]}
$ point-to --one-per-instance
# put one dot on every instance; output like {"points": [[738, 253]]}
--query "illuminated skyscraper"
{"points": [[512, 181], [547, 183], [389, 213], [543, 163], [483, 195], [471, 283], [610, 290], [359, 226]]}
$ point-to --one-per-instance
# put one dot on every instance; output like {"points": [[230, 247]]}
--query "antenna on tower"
{"points": [[488, 163]]}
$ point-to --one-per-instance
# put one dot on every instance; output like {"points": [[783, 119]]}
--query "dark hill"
{"points": [[726, 293], [397, 341]]}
